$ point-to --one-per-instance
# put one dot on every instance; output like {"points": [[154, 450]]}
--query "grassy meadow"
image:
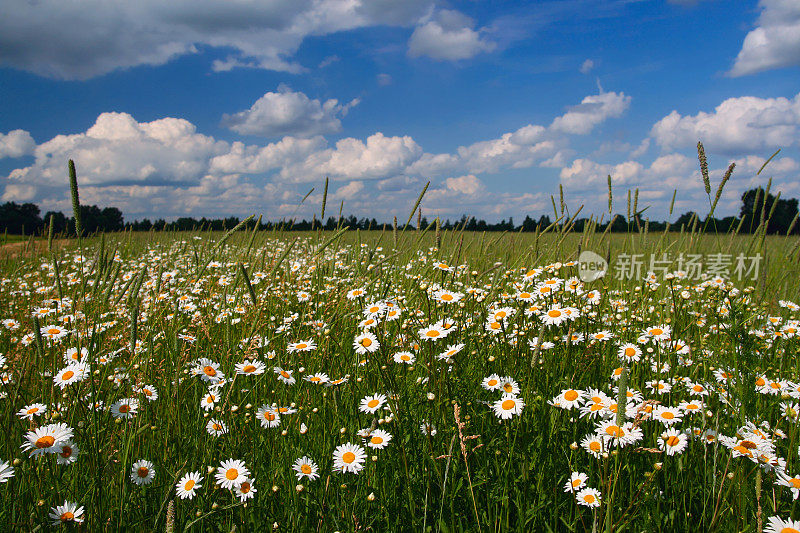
{"points": [[397, 381]]}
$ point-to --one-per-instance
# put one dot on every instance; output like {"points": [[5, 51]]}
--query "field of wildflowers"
{"points": [[396, 381]]}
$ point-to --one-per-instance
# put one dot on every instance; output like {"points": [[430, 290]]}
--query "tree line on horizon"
{"points": [[780, 216]]}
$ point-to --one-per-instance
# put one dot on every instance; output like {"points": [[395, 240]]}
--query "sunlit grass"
{"points": [[146, 319]]}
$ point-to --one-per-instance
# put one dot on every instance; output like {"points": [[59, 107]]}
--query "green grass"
{"points": [[511, 473]]}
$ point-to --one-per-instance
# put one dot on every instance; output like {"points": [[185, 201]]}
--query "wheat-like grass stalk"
{"points": [[76, 204], [701, 155]]}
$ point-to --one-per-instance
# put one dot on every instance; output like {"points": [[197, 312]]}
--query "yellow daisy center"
{"points": [[45, 442], [570, 395]]}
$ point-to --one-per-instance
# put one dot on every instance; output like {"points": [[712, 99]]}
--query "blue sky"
{"points": [[211, 108]]}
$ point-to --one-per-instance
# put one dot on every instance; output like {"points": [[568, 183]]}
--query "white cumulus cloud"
{"points": [[736, 126], [378, 158], [80, 40], [118, 149], [592, 110], [16, 143], [448, 36], [288, 113], [774, 42], [468, 185]]}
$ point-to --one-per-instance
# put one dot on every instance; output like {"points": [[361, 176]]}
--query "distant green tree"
{"points": [[751, 212], [14, 217]]}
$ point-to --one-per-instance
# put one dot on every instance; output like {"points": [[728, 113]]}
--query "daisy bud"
{"points": [[342, 431], [198, 514], [234, 408], [359, 380], [303, 429], [214, 505], [605, 455], [17, 462], [275, 488], [97, 372], [210, 469], [573, 446], [658, 466], [730, 475], [371, 497], [491, 358], [327, 332], [374, 458], [431, 396], [283, 432], [40, 503], [299, 488], [301, 369]]}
